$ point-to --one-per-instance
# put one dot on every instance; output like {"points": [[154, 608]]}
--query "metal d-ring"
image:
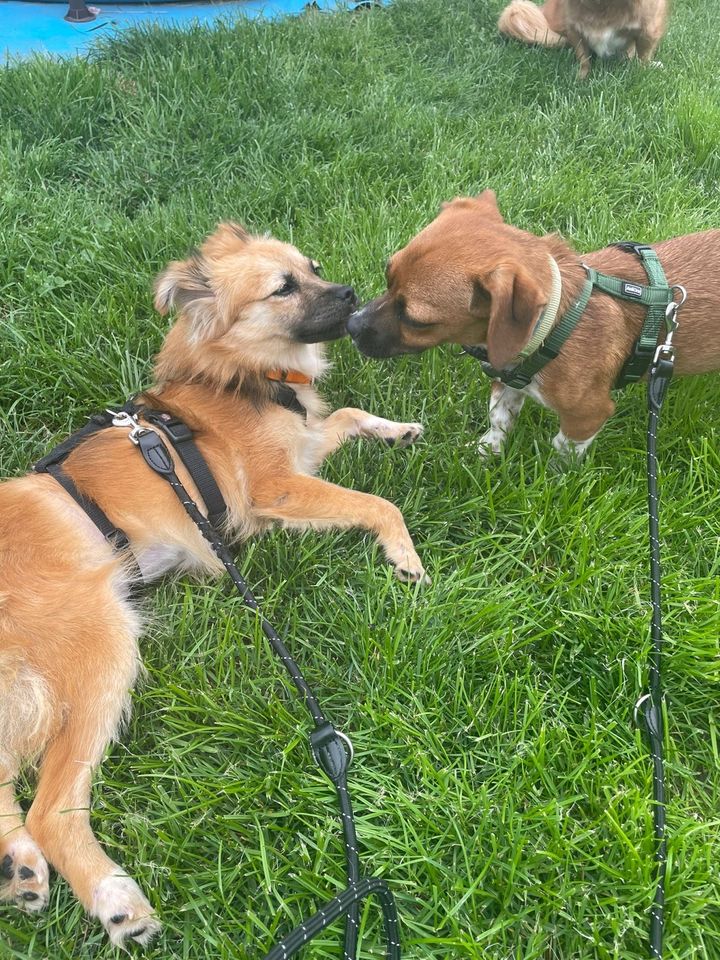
{"points": [[641, 700], [348, 743]]}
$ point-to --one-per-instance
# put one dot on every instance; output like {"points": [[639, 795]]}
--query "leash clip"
{"points": [[122, 418], [666, 350]]}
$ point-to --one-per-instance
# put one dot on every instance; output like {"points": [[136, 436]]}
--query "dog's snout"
{"points": [[354, 325], [347, 295]]}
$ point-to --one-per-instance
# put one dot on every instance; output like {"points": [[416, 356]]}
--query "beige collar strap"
{"points": [[548, 316]]}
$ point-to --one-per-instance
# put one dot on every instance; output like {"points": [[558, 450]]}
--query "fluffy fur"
{"points": [[68, 630], [602, 27], [471, 278]]}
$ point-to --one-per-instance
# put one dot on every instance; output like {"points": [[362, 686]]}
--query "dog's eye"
{"points": [[316, 268], [288, 287], [415, 324]]}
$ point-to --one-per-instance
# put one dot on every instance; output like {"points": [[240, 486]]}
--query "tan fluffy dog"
{"points": [[604, 27], [68, 631], [470, 278]]}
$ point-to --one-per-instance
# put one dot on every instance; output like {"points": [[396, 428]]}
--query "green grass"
{"points": [[499, 782]]}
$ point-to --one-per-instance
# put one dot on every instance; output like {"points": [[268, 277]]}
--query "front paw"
{"points": [[403, 434], [491, 444], [408, 566], [124, 912], [24, 875], [394, 434]]}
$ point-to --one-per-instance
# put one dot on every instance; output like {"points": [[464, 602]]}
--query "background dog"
{"points": [[604, 27], [68, 630], [470, 278]]}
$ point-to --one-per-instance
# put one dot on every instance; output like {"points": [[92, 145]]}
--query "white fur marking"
{"points": [[572, 448], [119, 896], [505, 405]]}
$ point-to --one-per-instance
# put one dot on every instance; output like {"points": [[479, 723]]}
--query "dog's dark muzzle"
{"points": [[371, 335], [329, 316]]}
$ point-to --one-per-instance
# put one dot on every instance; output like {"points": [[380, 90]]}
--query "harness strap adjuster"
{"points": [[177, 431]]}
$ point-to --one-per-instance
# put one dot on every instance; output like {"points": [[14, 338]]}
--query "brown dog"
{"points": [[470, 278], [604, 27], [68, 630]]}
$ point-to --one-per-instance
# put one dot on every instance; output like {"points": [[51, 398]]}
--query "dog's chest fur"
{"points": [[608, 28]]}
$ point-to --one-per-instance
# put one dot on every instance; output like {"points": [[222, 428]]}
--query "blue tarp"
{"points": [[28, 28]]}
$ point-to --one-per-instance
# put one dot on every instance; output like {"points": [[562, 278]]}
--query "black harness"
{"points": [[331, 749]]}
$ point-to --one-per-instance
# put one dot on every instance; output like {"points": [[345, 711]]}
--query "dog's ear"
{"points": [[516, 300], [183, 286], [488, 202]]}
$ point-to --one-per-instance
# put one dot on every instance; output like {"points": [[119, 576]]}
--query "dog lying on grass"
{"points": [[605, 28], [248, 307], [470, 278]]}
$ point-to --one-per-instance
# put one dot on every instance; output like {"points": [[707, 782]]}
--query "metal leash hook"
{"points": [[121, 418]]}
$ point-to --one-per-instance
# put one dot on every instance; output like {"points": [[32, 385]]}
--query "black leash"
{"points": [[331, 748], [652, 703]]}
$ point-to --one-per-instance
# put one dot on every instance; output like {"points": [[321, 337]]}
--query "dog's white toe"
{"points": [[122, 909]]}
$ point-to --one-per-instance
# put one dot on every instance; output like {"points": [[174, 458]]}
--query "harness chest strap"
{"points": [[657, 295], [179, 435]]}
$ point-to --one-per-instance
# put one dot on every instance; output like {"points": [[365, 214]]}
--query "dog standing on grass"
{"points": [[470, 278], [249, 307], [605, 28]]}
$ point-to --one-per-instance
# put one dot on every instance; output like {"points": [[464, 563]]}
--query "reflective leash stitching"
{"points": [[331, 749], [652, 703]]}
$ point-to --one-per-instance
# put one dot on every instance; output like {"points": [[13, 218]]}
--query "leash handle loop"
{"points": [[338, 907]]}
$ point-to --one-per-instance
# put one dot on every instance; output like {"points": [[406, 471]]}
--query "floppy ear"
{"points": [[184, 286], [516, 300]]}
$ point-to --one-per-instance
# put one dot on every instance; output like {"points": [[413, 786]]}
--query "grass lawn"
{"points": [[499, 782]]}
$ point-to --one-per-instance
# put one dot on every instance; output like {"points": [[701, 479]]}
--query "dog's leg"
{"points": [[23, 870], [307, 502], [582, 52], [351, 422], [26, 725], [95, 696], [646, 47], [577, 431], [505, 405]]}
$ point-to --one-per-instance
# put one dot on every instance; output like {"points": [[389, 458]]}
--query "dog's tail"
{"points": [[525, 21]]}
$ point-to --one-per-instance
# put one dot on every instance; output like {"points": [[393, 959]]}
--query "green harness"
{"points": [[657, 295]]}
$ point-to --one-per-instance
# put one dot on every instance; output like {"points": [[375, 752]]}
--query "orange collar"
{"points": [[288, 376]]}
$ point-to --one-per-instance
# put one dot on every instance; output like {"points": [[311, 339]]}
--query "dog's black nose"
{"points": [[347, 294], [354, 325]]}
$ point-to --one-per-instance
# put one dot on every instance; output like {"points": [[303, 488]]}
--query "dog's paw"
{"points": [[24, 874], [122, 909], [405, 434], [394, 434], [491, 444], [408, 566]]}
